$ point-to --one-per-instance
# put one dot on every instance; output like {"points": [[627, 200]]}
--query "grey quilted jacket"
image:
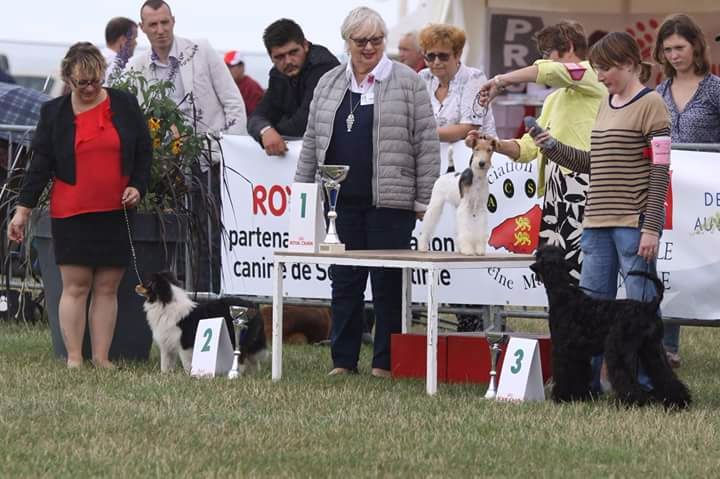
{"points": [[406, 149]]}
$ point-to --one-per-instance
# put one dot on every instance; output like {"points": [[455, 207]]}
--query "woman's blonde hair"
{"points": [[617, 49], [86, 58], [441, 34]]}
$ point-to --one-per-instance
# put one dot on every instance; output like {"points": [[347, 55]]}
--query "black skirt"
{"points": [[92, 239]]}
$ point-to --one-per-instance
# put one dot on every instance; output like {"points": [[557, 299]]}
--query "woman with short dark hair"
{"points": [[95, 146], [624, 215], [692, 95]]}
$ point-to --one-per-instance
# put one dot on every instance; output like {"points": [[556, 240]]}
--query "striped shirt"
{"points": [[624, 183]]}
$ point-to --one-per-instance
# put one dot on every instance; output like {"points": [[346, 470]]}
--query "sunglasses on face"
{"points": [[86, 83], [431, 56], [374, 41]]}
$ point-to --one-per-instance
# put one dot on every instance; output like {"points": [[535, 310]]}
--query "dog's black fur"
{"points": [[629, 333], [159, 291]]}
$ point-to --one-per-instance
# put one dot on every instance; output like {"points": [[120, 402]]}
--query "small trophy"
{"points": [[332, 175], [237, 313], [494, 339]]}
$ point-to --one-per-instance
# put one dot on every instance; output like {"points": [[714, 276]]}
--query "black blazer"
{"points": [[54, 145]]}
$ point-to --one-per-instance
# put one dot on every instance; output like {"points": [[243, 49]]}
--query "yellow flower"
{"points": [[176, 147], [153, 125], [157, 143]]}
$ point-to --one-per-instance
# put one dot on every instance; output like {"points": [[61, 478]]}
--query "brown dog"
{"points": [[301, 324]]}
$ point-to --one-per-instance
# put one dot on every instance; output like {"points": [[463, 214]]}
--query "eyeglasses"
{"points": [[374, 41], [86, 83], [431, 56]]}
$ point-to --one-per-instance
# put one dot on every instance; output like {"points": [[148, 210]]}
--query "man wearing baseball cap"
{"points": [[250, 90]]}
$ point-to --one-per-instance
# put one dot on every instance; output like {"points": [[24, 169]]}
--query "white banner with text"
{"points": [[256, 217]]}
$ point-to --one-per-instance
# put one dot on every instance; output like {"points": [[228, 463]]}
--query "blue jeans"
{"points": [[367, 228], [671, 340], [607, 252]]}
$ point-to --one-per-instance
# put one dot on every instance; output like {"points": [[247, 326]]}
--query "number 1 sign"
{"points": [[212, 351], [307, 228]]}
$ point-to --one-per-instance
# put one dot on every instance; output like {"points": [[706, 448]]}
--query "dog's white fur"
{"points": [[163, 319], [471, 214]]}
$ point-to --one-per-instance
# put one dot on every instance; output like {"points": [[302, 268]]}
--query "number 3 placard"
{"points": [[521, 376], [212, 351]]}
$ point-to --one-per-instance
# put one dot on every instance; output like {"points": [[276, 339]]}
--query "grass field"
{"points": [[135, 422]]}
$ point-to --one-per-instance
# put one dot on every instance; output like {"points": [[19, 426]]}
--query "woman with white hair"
{"points": [[374, 115]]}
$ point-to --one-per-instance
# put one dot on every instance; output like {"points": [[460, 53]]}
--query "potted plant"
{"points": [[163, 230]]}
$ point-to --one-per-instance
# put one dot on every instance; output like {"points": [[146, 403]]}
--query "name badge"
{"points": [[367, 98]]}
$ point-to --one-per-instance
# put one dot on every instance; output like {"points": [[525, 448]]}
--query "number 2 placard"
{"points": [[521, 376], [212, 351]]}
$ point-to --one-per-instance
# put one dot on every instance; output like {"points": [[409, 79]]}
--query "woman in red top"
{"points": [[95, 146]]}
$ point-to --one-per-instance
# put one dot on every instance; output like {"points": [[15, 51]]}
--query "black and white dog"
{"points": [[468, 192], [173, 318]]}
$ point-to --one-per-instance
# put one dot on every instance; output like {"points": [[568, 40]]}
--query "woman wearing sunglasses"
{"points": [[94, 145], [374, 115], [453, 87]]}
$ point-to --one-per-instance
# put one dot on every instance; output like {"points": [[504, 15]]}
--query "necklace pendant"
{"points": [[349, 122]]}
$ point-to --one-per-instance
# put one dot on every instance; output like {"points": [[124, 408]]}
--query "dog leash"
{"points": [[132, 246], [475, 105], [645, 283]]}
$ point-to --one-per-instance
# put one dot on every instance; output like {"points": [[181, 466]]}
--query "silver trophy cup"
{"points": [[332, 175], [237, 313], [495, 339]]}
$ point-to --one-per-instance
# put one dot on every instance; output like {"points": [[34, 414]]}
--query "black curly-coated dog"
{"points": [[628, 332]]}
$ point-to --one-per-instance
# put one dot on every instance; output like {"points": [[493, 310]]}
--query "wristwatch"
{"points": [[264, 129]]}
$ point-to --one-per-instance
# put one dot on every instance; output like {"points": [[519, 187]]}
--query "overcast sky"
{"points": [[228, 24]]}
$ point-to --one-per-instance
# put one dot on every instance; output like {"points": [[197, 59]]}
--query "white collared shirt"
{"points": [[459, 106], [380, 72], [170, 71]]}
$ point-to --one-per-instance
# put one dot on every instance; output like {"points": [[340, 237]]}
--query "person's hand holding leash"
{"points": [[130, 197], [648, 248]]}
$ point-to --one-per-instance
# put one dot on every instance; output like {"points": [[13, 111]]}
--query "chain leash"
{"points": [[132, 246]]}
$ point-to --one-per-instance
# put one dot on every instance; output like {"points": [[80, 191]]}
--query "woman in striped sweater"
{"points": [[624, 214]]}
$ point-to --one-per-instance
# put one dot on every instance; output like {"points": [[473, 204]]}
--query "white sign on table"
{"points": [[521, 376], [212, 351], [307, 226]]}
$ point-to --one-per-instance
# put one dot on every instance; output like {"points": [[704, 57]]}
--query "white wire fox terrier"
{"points": [[468, 192]]}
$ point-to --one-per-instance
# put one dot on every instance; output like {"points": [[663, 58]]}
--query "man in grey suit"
{"points": [[206, 92]]}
